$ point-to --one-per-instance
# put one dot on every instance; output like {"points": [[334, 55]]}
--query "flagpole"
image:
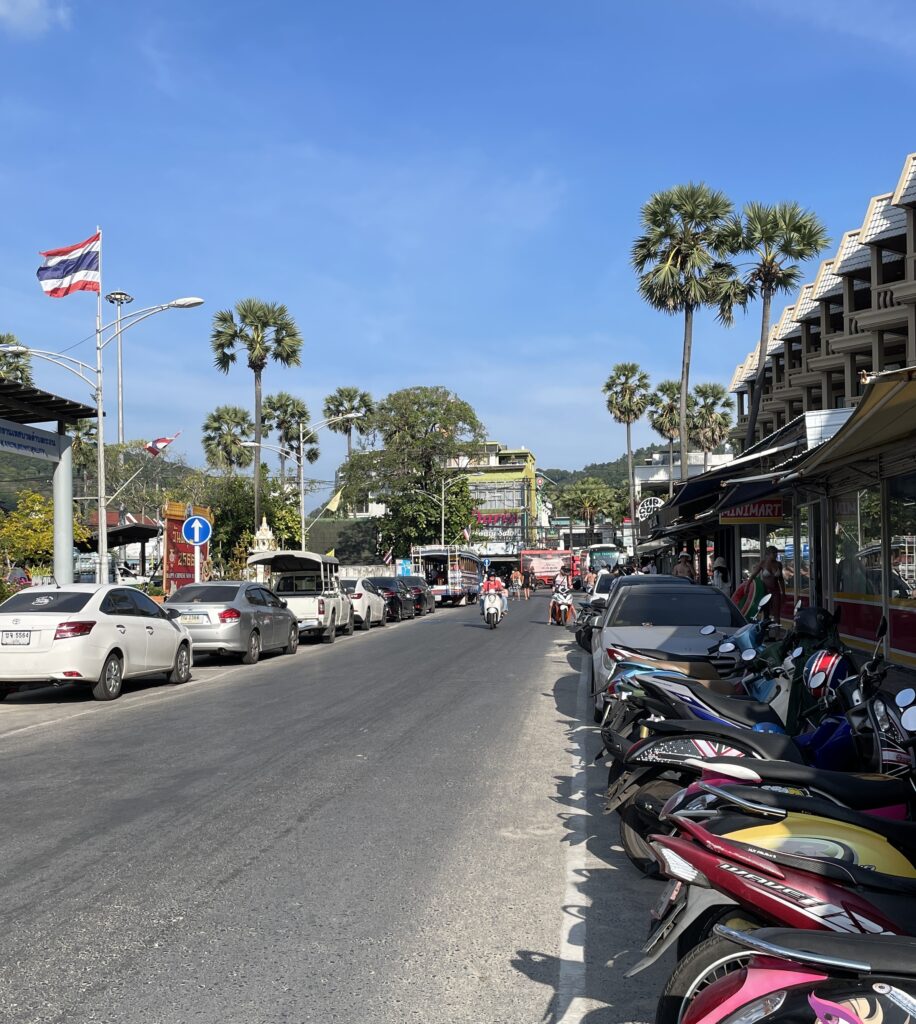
{"points": [[320, 514], [100, 431]]}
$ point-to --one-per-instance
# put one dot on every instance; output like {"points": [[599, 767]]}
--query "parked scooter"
{"points": [[812, 976], [492, 609]]}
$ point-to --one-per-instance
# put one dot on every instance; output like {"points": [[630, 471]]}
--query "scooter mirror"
{"points": [[727, 647], [764, 601], [707, 630], [908, 719], [882, 628], [906, 697], [816, 681], [797, 653], [748, 655], [798, 605]]}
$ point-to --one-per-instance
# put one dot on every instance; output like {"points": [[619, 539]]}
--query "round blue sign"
{"points": [[196, 530]]}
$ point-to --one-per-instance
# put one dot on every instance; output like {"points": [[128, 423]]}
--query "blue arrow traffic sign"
{"points": [[486, 563], [196, 530]]}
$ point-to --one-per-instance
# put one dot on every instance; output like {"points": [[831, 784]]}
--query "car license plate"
{"points": [[15, 637], [190, 620]]}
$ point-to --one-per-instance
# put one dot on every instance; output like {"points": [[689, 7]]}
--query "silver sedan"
{"points": [[227, 617]]}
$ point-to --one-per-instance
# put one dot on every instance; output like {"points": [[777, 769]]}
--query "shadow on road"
{"points": [[610, 910]]}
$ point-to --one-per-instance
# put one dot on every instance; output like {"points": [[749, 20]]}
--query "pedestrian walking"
{"points": [[526, 582]]}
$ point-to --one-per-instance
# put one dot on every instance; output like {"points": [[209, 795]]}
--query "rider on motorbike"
{"points": [[561, 588], [493, 584]]}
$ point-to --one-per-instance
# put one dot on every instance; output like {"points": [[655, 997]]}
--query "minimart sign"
{"points": [[767, 511]]}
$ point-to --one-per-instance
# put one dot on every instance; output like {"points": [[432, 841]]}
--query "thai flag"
{"points": [[159, 444], [388, 556], [75, 268], [466, 533]]}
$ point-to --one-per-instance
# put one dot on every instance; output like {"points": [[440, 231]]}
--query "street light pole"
{"points": [[120, 299], [301, 487]]}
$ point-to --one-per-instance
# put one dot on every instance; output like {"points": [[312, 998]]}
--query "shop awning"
{"points": [[742, 493], [884, 417], [650, 547]]}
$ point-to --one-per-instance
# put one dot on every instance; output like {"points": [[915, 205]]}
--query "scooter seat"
{"points": [[773, 746], [858, 792], [885, 954], [743, 711]]}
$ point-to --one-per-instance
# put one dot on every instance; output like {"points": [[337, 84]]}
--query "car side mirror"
{"points": [[905, 697], [282, 603], [172, 613]]}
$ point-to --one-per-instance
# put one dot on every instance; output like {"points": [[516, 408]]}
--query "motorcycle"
{"points": [[560, 607], [492, 609], [817, 977]]}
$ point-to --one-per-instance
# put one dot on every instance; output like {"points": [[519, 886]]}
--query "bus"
{"points": [[598, 555], [453, 573]]}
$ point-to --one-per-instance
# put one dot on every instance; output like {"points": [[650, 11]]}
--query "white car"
{"points": [[368, 604], [97, 634]]}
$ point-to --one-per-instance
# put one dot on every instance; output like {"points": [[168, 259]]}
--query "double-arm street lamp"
{"points": [[441, 502], [288, 453], [93, 377]]}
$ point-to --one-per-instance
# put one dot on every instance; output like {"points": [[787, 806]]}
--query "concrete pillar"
{"points": [[62, 494]]}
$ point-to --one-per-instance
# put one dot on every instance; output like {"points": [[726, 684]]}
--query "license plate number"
{"points": [[15, 638], [190, 620]]}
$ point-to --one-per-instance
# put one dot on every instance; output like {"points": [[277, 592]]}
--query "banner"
{"points": [[767, 511], [178, 554], [18, 439]]}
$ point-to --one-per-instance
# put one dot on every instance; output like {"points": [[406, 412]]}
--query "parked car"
{"points": [[96, 634], [368, 604], [310, 584], [424, 600], [235, 617], [606, 585], [663, 621], [399, 600]]}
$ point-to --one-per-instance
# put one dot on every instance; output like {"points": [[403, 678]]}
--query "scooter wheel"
{"points": [[702, 965]]}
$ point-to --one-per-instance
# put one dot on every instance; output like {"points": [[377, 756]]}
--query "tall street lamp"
{"points": [[288, 454], [441, 503], [94, 377], [120, 299]]}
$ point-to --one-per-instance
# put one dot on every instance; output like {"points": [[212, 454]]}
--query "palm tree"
{"points": [[711, 418], [346, 401], [15, 366], [587, 498], [665, 418], [777, 236], [267, 331], [627, 394], [682, 259], [284, 413], [83, 436], [224, 431]]}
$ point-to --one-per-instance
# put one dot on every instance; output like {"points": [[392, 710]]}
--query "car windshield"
{"points": [[695, 606], [349, 586], [56, 601], [194, 594], [603, 583], [384, 582]]}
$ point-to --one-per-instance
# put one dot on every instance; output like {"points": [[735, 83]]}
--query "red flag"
{"points": [[159, 444]]}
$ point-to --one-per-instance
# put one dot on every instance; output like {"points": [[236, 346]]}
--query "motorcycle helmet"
{"points": [[814, 622], [836, 667]]}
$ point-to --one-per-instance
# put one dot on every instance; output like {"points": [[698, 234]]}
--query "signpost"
{"points": [[485, 562], [184, 551], [196, 531]]}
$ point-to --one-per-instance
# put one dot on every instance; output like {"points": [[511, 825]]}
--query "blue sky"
{"points": [[442, 193]]}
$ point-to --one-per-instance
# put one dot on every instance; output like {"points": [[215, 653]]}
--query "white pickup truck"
{"points": [[310, 585]]}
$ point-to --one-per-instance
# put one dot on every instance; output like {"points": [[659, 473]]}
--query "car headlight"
{"points": [[758, 1009]]}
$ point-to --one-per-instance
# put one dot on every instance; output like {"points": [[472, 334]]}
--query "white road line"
{"points": [[572, 1005]]}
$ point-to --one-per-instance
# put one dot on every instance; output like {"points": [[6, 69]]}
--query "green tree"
{"points": [[15, 366], [683, 262], [627, 394], [268, 333], [284, 413], [27, 533], [411, 518], [777, 237], [665, 419], [710, 418], [346, 401], [587, 499], [225, 431]]}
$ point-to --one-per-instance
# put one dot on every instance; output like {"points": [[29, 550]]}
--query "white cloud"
{"points": [[890, 24], [32, 17]]}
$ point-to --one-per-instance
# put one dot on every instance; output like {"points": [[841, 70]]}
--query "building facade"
{"points": [[503, 486]]}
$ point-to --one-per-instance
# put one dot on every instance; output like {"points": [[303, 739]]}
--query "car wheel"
{"points": [[366, 624], [110, 681], [181, 670], [399, 613], [253, 650], [383, 621], [350, 628], [292, 642], [330, 634]]}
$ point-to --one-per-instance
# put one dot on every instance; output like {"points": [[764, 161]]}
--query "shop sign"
{"points": [[767, 511], [178, 553], [497, 518]]}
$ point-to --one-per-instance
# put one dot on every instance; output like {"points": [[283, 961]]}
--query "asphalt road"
{"points": [[394, 828]]}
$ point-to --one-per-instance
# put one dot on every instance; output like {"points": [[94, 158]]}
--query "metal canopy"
{"points": [[21, 403]]}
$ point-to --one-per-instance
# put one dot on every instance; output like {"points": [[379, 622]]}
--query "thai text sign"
{"points": [[17, 439], [178, 554], [769, 510]]}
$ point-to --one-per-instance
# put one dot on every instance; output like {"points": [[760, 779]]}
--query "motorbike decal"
{"points": [[679, 750], [831, 1013], [827, 914], [709, 749], [897, 996]]}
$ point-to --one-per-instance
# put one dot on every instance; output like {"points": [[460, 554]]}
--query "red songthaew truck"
{"points": [[546, 563]]}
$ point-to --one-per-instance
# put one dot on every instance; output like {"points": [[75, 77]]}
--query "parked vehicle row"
{"points": [[780, 794]]}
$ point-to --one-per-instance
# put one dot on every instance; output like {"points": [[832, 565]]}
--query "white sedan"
{"points": [[368, 604], [89, 633]]}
